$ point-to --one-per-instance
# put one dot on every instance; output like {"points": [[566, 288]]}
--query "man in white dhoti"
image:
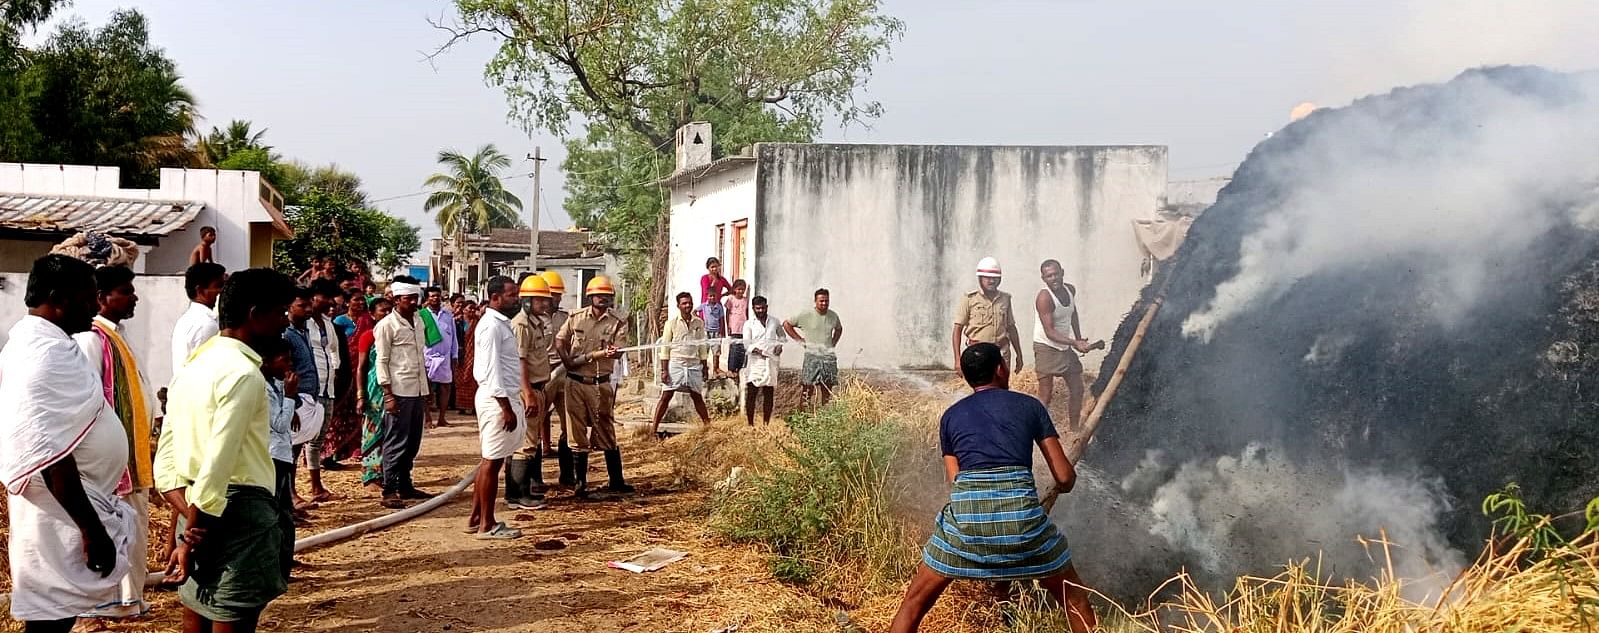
{"points": [[497, 367], [63, 453], [763, 339]]}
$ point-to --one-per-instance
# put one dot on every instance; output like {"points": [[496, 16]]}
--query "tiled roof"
{"points": [[559, 244], [117, 216]]}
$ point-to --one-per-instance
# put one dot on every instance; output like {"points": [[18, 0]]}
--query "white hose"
{"points": [[370, 525]]}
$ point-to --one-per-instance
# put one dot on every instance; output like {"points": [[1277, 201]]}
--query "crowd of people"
{"points": [[272, 374]]}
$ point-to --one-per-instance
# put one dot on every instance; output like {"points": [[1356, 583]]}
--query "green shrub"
{"points": [[819, 503]]}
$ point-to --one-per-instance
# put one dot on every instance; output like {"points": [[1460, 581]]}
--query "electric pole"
{"points": [[533, 241]]}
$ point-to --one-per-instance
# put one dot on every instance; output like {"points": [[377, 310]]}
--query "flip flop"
{"points": [[325, 496], [501, 532]]}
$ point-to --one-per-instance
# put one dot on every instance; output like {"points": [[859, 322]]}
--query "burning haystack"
{"points": [[1390, 312]]}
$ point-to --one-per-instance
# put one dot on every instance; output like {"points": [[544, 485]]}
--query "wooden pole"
{"points": [[1079, 445]]}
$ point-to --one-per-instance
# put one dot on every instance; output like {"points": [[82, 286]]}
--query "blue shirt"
{"points": [[994, 428], [304, 362], [345, 323]]}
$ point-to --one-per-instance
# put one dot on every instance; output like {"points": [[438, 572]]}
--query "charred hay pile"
{"points": [[1390, 312]]}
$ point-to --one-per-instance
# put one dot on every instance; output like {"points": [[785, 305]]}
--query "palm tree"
{"points": [[220, 143], [469, 197]]}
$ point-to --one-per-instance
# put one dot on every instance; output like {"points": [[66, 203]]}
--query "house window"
{"points": [[740, 253], [721, 244]]}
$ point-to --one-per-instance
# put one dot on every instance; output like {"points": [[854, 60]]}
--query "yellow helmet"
{"points": [[534, 286], [599, 285], [553, 278]]}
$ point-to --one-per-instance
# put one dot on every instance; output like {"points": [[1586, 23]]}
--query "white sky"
{"points": [[346, 82]]}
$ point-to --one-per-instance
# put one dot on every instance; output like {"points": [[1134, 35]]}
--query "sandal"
{"points": [[501, 532]]}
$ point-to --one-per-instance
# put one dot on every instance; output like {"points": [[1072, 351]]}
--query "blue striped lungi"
{"points": [[994, 528]]}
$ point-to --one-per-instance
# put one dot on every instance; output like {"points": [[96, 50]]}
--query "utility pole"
{"points": [[533, 241]]}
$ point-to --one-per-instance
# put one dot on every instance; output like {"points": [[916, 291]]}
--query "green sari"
{"points": [[372, 422]]}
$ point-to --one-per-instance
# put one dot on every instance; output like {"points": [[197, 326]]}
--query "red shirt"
{"points": [[712, 288]]}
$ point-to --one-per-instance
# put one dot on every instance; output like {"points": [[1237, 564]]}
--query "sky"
{"points": [[350, 83]]}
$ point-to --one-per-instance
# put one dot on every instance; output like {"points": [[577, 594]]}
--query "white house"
{"points": [[895, 231], [40, 205]]}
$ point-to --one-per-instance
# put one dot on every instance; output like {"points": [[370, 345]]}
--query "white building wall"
{"points": [[697, 208], [895, 233], [161, 301], [232, 197]]}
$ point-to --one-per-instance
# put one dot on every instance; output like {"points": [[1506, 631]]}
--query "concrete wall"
{"points": [[161, 302], [697, 208], [895, 232], [232, 198]]}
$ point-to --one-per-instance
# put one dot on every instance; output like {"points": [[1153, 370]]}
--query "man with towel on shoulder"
{"points": [[994, 527], [63, 455]]}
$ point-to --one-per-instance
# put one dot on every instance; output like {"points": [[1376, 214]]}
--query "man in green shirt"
{"points": [[213, 463], [822, 329]]}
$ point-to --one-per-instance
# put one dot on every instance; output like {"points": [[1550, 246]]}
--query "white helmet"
{"points": [[988, 267]]}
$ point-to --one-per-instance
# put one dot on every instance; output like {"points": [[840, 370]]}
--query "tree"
{"points": [[469, 196], [635, 70], [329, 224], [103, 97], [220, 144]]}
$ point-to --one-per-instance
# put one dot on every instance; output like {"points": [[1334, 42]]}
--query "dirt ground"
{"points": [[426, 575]]}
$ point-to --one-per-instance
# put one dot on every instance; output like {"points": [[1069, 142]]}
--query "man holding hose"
{"points": [[994, 527]]}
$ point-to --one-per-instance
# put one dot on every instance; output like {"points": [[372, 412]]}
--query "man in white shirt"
{"points": [[117, 374], [399, 340], [203, 283], [324, 342], [497, 367]]}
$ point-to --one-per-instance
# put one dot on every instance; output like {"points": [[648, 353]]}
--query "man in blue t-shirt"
{"points": [[994, 513]]}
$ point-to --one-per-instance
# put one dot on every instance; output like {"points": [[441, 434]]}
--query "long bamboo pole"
{"points": [[1079, 445]]}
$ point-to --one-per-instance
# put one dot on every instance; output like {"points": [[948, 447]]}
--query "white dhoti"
{"points": [[498, 443], [764, 340], [50, 410], [131, 601]]}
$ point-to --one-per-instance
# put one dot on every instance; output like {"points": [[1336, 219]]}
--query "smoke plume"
{"points": [[1387, 315]]}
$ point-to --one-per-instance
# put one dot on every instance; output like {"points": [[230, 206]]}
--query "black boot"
{"points": [[535, 481], [580, 467], [515, 473], [613, 468], [563, 456]]}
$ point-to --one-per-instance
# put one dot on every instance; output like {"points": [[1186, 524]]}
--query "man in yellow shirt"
{"points": [[213, 463]]}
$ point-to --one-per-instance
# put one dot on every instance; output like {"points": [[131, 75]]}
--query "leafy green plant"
{"points": [[819, 503]]}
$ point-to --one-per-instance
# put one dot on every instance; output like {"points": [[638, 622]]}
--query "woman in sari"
{"points": [[369, 400], [465, 384]]}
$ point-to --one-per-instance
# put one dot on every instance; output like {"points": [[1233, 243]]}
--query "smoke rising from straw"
{"points": [[1478, 186]]}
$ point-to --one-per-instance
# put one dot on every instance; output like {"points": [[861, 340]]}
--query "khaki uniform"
{"points": [[555, 392], [590, 408], [986, 321], [531, 341]]}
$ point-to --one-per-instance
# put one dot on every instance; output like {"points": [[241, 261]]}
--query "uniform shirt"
{"points": [[195, 326], [213, 436], [985, 320], [399, 359], [496, 361], [555, 321], [587, 334], [994, 428], [533, 345], [690, 334]]}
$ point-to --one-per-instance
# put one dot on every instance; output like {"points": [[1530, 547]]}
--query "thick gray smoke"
{"points": [[1386, 316], [1463, 196]]}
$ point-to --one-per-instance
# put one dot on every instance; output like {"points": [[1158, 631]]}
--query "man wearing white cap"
{"points": [[984, 316], [399, 339]]}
